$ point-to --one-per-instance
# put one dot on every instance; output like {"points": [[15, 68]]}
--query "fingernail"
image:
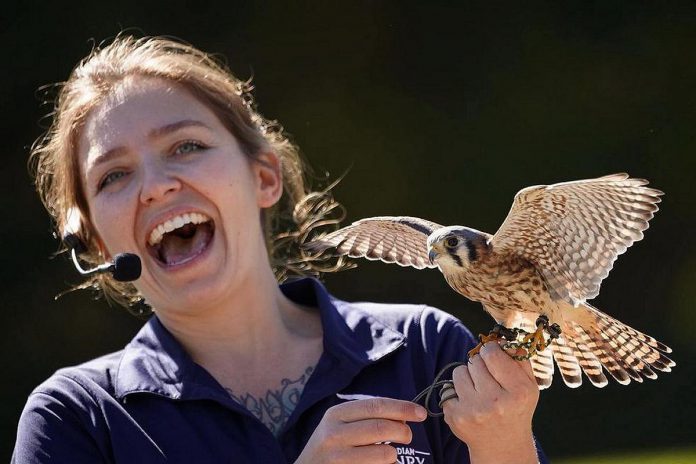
{"points": [[421, 413]]}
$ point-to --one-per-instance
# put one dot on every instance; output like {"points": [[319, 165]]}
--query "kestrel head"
{"points": [[455, 246]]}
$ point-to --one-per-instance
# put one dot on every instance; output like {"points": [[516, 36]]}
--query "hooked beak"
{"points": [[432, 254]]}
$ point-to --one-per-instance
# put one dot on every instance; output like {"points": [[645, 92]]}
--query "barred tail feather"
{"points": [[584, 350], [605, 353], [542, 362], [542, 366], [641, 352], [567, 362], [596, 341]]}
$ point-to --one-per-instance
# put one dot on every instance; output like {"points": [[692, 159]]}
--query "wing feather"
{"points": [[574, 231], [398, 239]]}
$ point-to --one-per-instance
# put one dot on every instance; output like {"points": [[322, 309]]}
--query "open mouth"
{"points": [[181, 238]]}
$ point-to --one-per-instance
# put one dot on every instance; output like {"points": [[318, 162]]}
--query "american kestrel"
{"points": [[548, 258]]}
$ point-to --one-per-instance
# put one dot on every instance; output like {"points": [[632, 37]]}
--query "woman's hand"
{"points": [[356, 432], [493, 413]]}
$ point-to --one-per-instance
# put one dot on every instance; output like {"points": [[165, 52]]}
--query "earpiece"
{"points": [[125, 267]]}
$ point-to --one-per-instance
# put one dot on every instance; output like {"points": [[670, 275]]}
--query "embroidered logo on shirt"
{"points": [[408, 455]]}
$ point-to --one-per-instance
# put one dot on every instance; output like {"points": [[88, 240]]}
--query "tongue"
{"points": [[175, 249]]}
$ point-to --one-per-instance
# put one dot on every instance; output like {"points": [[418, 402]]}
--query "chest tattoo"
{"points": [[276, 406]]}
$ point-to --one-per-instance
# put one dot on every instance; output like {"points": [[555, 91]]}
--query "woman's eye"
{"points": [[110, 178], [188, 146], [452, 242]]}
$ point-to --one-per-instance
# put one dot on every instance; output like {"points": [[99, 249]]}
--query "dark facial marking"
{"points": [[456, 258], [475, 243], [473, 252]]}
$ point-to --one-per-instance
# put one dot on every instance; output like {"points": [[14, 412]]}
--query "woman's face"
{"points": [[164, 179]]}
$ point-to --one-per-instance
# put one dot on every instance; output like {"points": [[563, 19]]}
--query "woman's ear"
{"points": [[269, 179]]}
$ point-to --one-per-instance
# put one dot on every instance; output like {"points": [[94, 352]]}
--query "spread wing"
{"points": [[401, 240], [574, 231]]}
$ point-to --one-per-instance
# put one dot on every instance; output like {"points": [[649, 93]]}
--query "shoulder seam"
{"points": [[91, 394]]}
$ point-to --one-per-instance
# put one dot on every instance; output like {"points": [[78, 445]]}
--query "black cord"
{"points": [[437, 383]]}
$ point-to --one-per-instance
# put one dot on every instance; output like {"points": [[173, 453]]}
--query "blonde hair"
{"points": [[54, 160]]}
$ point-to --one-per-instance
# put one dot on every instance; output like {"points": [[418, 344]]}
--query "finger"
{"points": [[371, 431], [463, 386], [525, 364], [379, 408], [461, 378], [505, 370], [508, 372], [482, 379], [377, 454]]}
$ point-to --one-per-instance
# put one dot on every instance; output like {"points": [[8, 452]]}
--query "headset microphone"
{"points": [[125, 267]]}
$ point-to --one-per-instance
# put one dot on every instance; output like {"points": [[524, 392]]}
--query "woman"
{"points": [[157, 150]]}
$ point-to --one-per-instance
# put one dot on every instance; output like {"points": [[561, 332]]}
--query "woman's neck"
{"points": [[255, 326]]}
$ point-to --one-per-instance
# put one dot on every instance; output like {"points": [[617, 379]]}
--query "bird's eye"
{"points": [[452, 242]]}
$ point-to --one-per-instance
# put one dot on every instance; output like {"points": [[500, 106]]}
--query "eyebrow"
{"points": [[154, 134], [175, 126]]}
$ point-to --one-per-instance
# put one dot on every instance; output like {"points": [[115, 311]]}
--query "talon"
{"points": [[483, 339], [475, 350]]}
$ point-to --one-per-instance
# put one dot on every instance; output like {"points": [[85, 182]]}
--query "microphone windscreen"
{"points": [[127, 267]]}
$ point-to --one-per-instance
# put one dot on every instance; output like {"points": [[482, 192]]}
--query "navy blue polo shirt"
{"points": [[151, 403]]}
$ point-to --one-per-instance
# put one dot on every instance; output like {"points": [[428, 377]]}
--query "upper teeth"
{"points": [[173, 224]]}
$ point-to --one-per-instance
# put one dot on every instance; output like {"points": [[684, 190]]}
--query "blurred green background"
{"points": [[444, 110]]}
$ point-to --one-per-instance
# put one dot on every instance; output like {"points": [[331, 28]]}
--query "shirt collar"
{"points": [[350, 333], [155, 362]]}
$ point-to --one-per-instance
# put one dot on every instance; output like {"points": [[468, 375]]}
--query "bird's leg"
{"points": [[499, 332], [535, 341], [536, 338]]}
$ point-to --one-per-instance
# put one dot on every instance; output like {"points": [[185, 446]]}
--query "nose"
{"points": [[158, 182]]}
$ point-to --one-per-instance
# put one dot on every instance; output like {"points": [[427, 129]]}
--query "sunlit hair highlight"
{"points": [[296, 218]]}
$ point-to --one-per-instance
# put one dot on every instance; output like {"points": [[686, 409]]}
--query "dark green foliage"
{"points": [[444, 110]]}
